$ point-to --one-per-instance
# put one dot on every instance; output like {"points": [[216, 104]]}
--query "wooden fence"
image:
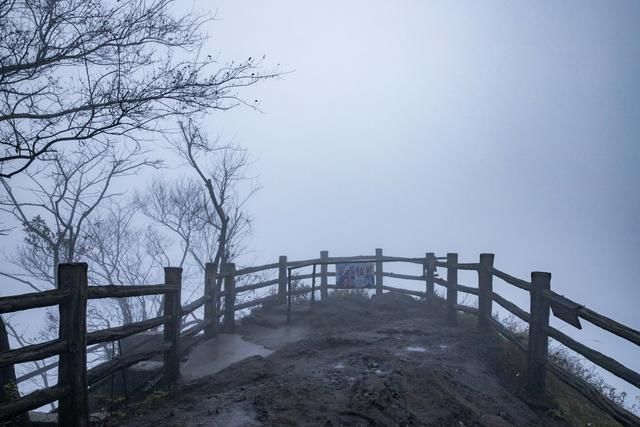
{"points": [[74, 378], [543, 301]]}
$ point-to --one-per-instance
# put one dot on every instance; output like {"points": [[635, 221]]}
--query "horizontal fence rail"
{"points": [[221, 309], [33, 352], [511, 307], [120, 332], [34, 400], [33, 300], [519, 283], [123, 291], [74, 377], [596, 319], [542, 300]]}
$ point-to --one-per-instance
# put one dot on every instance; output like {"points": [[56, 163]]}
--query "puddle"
{"points": [[275, 338], [216, 354]]}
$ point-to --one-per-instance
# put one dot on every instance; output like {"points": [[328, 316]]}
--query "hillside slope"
{"points": [[384, 361]]}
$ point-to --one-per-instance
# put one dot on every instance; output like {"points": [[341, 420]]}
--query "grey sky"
{"points": [[495, 126], [499, 126], [505, 127]]}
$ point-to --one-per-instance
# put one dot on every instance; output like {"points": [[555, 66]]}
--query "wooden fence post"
{"points": [[313, 286], [282, 279], [211, 300], [72, 369], [379, 276], [229, 297], [324, 269], [172, 307], [485, 289], [452, 288], [289, 296], [430, 272], [538, 338]]}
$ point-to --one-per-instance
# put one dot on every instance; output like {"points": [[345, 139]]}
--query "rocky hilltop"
{"points": [[356, 361]]}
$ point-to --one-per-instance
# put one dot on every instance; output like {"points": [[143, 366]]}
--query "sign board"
{"points": [[355, 275], [566, 310]]}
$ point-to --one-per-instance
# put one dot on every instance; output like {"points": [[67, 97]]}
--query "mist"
{"points": [[416, 127], [427, 126], [469, 127]]}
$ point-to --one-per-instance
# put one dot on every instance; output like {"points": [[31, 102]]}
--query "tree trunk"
{"points": [[8, 387]]}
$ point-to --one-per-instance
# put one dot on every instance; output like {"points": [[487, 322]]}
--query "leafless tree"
{"points": [[177, 206], [221, 168], [204, 212], [84, 70], [56, 204], [8, 382], [21, 337], [57, 208], [119, 254]]}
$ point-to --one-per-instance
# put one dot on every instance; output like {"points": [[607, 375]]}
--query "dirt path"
{"points": [[389, 361]]}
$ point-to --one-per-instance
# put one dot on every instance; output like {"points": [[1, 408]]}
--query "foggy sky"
{"points": [[476, 127], [469, 127]]}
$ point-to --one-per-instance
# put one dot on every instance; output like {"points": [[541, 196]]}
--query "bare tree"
{"points": [[206, 212], [220, 168], [181, 208], [81, 70], [58, 209], [8, 383], [42, 379], [53, 209], [119, 254], [176, 205]]}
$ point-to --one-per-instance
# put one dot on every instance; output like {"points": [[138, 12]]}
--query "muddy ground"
{"points": [[388, 361]]}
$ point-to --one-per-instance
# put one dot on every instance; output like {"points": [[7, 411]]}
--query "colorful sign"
{"points": [[355, 275]]}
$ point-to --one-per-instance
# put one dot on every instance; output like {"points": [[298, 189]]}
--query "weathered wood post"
{"points": [[379, 276], [282, 279], [229, 297], [313, 286], [324, 269], [289, 296], [72, 369], [485, 289], [452, 288], [538, 338], [172, 307], [211, 300], [430, 272]]}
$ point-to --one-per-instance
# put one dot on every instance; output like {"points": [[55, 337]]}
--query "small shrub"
{"points": [[515, 362], [577, 366]]}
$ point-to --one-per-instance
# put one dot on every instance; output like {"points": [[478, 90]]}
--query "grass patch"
{"points": [[564, 403]]}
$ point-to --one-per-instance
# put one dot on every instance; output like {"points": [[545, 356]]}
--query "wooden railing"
{"points": [[74, 377], [542, 301]]}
